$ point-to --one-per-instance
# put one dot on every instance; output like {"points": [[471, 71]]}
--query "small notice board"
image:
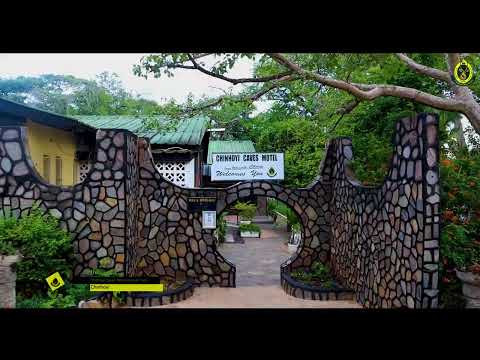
{"points": [[209, 219]]}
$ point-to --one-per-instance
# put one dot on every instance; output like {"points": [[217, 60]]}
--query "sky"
{"points": [[87, 66]]}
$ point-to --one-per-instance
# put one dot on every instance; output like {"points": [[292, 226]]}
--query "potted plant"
{"points": [[471, 285], [295, 237], [246, 211], [463, 255], [249, 230]]}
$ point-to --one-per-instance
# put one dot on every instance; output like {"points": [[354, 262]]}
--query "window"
{"points": [[46, 167], [83, 168], [180, 172], [58, 170]]}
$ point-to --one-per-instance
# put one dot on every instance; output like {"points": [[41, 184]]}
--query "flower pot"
{"points": [[245, 222], [249, 234], [292, 249], [470, 288]]}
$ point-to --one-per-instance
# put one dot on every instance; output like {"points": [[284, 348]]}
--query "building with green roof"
{"points": [[178, 146], [62, 147]]}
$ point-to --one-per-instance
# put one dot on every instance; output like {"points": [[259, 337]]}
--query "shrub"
{"points": [[44, 246], [221, 230], [65, 297], [319, 274], [460, 235], [249, 228], [246, 210], [285, 210]]}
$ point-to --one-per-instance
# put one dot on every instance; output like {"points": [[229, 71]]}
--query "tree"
{"points": [[68, 95], [275, 70]]}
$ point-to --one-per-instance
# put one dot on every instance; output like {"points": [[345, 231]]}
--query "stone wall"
{"points": [[93, 211], [382, 242], [171, 240]]}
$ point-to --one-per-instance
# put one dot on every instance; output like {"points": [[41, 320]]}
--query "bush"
{"points": [[221, 230], [460, 236], [285, 210], [246, 210], [319, 275], [249, 228], [67, 296], [44, 246]]}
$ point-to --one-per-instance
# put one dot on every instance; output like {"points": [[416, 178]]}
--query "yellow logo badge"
{"points": [[55, 281], [463, 73]]}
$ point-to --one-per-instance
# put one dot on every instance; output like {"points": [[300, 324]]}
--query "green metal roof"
{"points": [[229, 146], [185, 132]]}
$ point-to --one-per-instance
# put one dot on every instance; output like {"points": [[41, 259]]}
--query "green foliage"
{"points": [[67, 296], [249, 228], [460, 240], [45, 247], [285, 210], [246, 210], [221, 230], [68, 95], [293, 136], [319, 274]]}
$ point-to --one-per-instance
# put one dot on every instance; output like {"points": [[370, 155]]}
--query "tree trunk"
{"points": [[458, 126]]}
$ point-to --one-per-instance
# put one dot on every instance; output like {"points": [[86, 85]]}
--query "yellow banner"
{"points": [[127, 287]]}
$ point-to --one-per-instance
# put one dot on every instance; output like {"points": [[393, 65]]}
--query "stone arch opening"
{"points": [[309, 204], [267, 247]]}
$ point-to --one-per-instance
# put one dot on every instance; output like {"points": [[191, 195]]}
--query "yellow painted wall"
{"points": [[44, 140]]}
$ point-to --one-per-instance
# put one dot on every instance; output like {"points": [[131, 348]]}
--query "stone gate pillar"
{"points": [[8, 279]]}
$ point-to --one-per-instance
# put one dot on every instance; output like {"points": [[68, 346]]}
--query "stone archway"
{"points": [[308, 204]]}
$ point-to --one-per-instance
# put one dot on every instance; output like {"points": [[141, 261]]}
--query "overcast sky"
{"points": [[87, 66]]}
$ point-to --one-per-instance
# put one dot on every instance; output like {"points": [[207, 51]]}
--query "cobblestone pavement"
{"points": [[258, 277]]}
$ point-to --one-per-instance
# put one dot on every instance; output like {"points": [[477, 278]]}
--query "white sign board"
{"points": [[209, 219], [247, 166]]}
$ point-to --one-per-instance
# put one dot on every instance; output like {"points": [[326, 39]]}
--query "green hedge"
{"points": [[249, 227]]}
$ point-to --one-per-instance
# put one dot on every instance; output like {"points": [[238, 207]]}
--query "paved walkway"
{"points": [[258, 277], [258, 260], [271, 296]]}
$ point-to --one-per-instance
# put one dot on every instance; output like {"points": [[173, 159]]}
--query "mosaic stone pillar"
{"points": [[92, 211], [385, 239], [171, 241]]}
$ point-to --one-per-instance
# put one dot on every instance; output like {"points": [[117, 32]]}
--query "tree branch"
{"points": [[252, 98], [232, 80], [425, 70], [347, 109], [372, 91]]}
